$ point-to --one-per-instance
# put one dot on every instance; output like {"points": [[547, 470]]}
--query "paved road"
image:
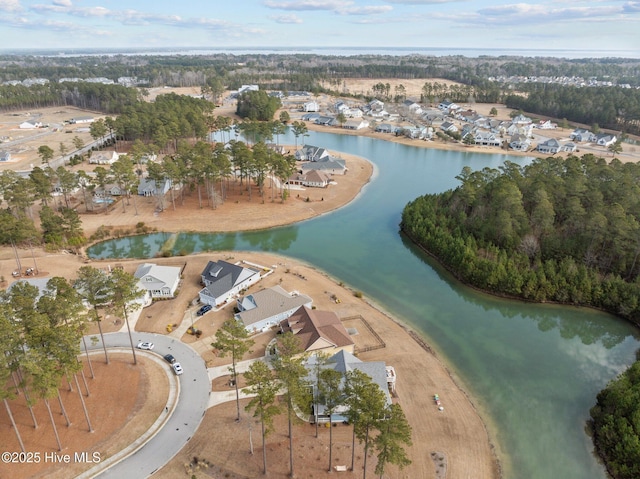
{"points": [[184, 419]]}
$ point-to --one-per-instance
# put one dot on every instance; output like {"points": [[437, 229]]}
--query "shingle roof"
{"points": [[310, 325], [267, 303], [220, 276]]}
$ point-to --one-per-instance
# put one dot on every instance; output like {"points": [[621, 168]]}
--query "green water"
{"points": [[533, 370]]}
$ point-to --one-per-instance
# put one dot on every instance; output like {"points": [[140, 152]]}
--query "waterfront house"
{"points": [[268, 307], [159, 281], [318, 331], [223, 280]]}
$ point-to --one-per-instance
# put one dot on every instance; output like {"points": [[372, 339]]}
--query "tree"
{"points": [[94, 286], [124, 176], [98, 129], [290, 371], [394, 431], [68, 182], [366, 405], [493, 111], [341, 119], [124, 293], [299, 128], [42, 184], [331, 395], [615, 148], [284, 117], [78, 144], [46, 154], [232, 339], [262, 384]]}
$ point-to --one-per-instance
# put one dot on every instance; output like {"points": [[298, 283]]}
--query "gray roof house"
{"points": [[581, 134], [160, 281], [5, 156], [312, 153], [486, 138], [149, 187], [345, 362], [330, 166], [268, 307], [550, 146], [222, 281], [605, 139]]}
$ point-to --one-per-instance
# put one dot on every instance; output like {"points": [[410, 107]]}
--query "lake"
{"points": [[533, 370]]}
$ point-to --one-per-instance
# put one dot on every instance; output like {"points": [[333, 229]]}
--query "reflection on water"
{"points": [[534, 370]]}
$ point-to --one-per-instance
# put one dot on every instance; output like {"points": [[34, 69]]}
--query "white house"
{"points": [[486, 138], [268, 307], [103, 157], [580, 134], [30, 125], [222, 281], [355, 124], [312, 178], [311, 106], [546, 125], [312, 153], [605, 139], [569, 147], [5, 156], [330, 166], [149, 187], [160, 281], [81, 119]]}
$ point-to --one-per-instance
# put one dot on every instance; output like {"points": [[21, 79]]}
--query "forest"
{"points": [[615, 422], [556, 230]]}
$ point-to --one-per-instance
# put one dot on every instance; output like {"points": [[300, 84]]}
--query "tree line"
{"points": [[561, 230], [42, 334], [382, 428], [615, 423]]}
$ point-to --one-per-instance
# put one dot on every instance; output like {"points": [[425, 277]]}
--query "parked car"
{"points": [[145, 345], [177, 368], [206, 308], [169, 358]]}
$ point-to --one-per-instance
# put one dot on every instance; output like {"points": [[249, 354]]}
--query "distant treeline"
{"points": [[557, 230], [614, 107], [608, 107]]}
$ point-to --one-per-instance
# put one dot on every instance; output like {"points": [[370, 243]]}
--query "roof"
{"points": [[324, 164], [220, 276], [267, 303], [314, 328], [165, 274]]}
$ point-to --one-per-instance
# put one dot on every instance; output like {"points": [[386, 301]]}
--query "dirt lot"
{"points": [[121, 407]]}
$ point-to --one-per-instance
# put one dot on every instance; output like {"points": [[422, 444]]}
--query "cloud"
{"points": [[631, 7], [306, 5], [337, 6], [292, 18], [10, 6], [423, 2], [62, 3]]}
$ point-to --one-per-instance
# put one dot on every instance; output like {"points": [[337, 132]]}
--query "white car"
{"points": [[145, 345], [177, 368]]}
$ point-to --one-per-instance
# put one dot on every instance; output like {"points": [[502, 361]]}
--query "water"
{"points": [[534, 370]]}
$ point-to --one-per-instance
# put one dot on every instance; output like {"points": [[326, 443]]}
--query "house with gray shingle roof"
{"points": [[345, 362], [160, 281], [222, 281], [312, 153], [268, 307], [330, 166], [5, 156], [550, 146]]}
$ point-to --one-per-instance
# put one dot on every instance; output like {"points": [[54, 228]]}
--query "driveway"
{"points": [[184, 419]]}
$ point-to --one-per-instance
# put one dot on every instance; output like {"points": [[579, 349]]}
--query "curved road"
{"points": [[183, 420]]}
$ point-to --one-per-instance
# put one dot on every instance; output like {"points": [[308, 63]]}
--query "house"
{"points": [[330, 166], [345, 362], [30, 125], [580, 134], [448, 126], [159, 281], [448, 106], [546, 125], [312, 178], [551, 146], [519, 143], [375, 105], [413, 107], [310, 106], [521, 120], [5, 156], [246, 88], [605, 139], [318, 331], [109, 190], [150, 187], [312, 153], [81, 119], [103, 157], [341, 107], [268, 307], [355, 124], [222, 281], [417, 133], [486, 138], [569, 147], [310, 117], [384, 128], [326, 121], [40, 283]]}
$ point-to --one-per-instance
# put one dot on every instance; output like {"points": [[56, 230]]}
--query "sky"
{"points": [[594, 25]]}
